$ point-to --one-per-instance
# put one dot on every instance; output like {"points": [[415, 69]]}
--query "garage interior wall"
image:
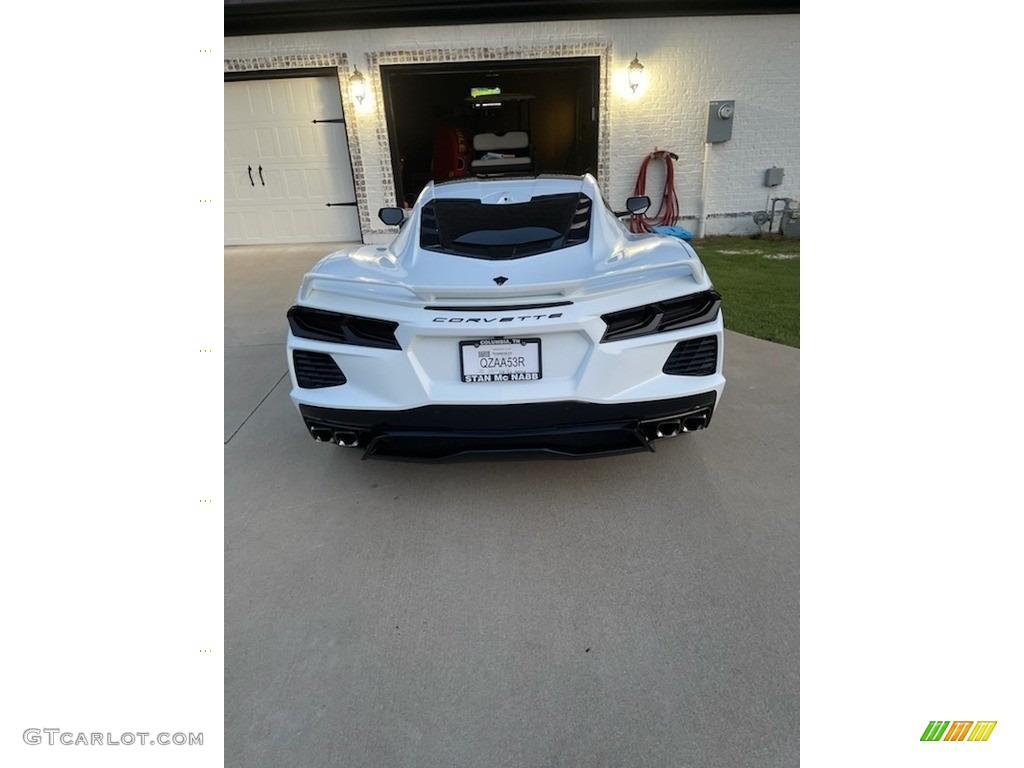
{"points": [[688, 61]]}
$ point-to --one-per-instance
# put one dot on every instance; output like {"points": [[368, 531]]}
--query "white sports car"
{"points": [[509, 314]]}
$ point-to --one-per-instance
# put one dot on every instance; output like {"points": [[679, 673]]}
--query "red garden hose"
{"points": [[668, 211]]}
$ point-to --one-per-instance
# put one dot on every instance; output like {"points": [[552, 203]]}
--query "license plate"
{"points": [[500, 360]]}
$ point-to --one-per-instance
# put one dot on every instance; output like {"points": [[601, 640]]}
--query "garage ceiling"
{"points": [[261, 17]]}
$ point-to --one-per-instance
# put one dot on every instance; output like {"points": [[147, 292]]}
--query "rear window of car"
{"points": [[505, 231]]}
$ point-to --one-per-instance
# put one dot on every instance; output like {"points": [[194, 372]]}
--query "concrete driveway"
{"points": [[640, 610]]}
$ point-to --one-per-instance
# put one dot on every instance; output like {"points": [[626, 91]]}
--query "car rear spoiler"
{"points": [[393, 289]]}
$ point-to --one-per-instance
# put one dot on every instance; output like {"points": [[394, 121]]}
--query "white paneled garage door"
{"points": [[286, 178]]}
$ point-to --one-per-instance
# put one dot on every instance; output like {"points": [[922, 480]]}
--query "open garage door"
{"points": [[554, 101], [287, 179]]}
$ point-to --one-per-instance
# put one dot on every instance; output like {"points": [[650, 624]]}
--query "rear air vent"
{"points": [[429, 235], [694, 357], [315, 370], [579, 227]]}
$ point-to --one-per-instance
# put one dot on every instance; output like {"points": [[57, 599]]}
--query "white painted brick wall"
{"points": [[688, 62]]}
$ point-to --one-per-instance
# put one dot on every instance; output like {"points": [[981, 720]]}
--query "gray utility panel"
{"points": [[720, 119]]}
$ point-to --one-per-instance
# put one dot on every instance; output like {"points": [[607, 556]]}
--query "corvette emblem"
{"points": [[501, 280]]}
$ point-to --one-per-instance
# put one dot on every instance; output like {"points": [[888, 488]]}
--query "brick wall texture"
{"points": [[688, 63]]}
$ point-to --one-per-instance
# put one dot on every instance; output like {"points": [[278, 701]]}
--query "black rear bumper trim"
{"points": [[563, 428]]}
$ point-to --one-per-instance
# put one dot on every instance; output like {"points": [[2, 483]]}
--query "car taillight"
{"points": [[321, 325], [661, 316]]}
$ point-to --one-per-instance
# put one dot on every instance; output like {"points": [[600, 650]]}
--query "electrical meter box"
{"points": [[773, 176], [720, 119]]}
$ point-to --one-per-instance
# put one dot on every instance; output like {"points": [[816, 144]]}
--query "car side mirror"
{"points": [[393, 217], [639, 204]]}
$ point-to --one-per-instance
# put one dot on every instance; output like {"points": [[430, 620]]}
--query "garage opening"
{"points": [[543, 113]]}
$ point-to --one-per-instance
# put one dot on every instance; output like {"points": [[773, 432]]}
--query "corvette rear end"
{"points": [[508, 315]]}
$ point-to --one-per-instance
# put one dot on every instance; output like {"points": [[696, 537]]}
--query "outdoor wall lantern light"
{"points": [[636, 71], [357, 84]]}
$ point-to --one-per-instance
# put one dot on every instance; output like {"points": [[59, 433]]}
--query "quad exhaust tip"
{"points": [[347, 439], [693, 423], [322, 434], [342, 437], [673, 426], [668, 428]]}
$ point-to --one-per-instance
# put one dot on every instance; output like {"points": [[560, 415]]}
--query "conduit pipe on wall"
{"points": [[702, 218]]}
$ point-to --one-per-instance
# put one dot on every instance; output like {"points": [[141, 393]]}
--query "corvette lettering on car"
{"points": [[494, 319], [509, 314]]}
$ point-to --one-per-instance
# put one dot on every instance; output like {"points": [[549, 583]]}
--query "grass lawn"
{"points": [[760, 286]]}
